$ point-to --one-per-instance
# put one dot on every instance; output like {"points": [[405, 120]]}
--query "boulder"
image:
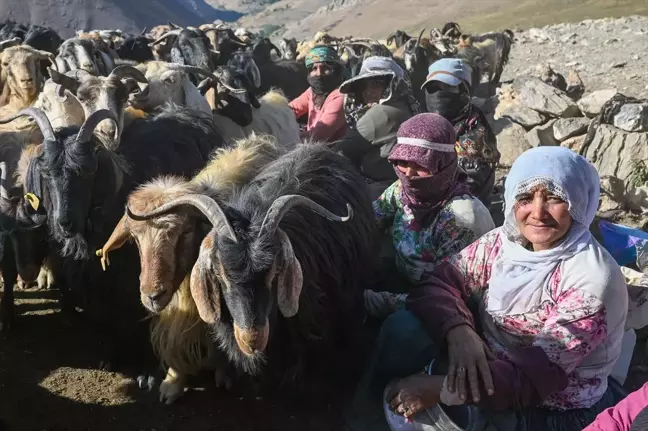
{"points": [[524, 116], [510, 140], [541, 136], [565, 128], [546, 99], [633, 117], [591, 104], [614, 152], [575, 144]]}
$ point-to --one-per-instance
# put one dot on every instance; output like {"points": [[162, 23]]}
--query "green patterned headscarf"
{"points": [[322, 54]]}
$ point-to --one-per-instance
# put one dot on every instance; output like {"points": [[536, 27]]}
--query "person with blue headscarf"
{"points": [[548, 304]]}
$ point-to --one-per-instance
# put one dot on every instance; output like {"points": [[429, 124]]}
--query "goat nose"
{"points": [[154, 297]]}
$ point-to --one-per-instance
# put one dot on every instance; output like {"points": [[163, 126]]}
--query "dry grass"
{"points": [[529, 13]]}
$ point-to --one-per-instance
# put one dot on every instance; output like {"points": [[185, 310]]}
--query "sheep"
{"points": [[21, 77], [178, 336], [288, 48], [238, 113], [77, 53], [300, 232], [85, 188], [98, 92]]}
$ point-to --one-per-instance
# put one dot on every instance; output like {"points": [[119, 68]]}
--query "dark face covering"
{"points": [[324, 84], [452, 106]]}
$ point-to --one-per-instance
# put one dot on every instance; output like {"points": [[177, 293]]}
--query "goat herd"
{"points": [[254, 248]]}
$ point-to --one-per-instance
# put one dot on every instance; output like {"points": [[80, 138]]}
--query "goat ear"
{"points": [[117, 239], [290, 278], [204, 285]]}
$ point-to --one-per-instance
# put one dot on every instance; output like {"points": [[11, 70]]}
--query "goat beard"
{"points": [[74, 246]]}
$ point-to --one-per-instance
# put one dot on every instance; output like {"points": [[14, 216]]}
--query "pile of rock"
{"points": [[533, 111]]}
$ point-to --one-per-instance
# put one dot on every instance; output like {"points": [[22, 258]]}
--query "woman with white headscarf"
{"points": [[536, 351]]}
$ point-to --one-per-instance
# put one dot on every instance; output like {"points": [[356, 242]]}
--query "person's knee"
{"points": [[401, 329]]}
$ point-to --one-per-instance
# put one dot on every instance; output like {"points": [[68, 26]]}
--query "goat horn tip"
{"points": [[33, 200]]}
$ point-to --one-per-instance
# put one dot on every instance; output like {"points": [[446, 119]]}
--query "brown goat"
{"points": [[169, 248], [21, 76]]}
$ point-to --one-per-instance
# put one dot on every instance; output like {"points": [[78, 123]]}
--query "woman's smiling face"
{"points": [[542, 218]]}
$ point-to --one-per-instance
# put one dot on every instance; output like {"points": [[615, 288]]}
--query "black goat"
{"points": [[10, 29], [291, 77], [135, 48], [227, 43], [86, 187], [43, 38], [191, 47], [288, 48], [398, 39], [280, 276], [262, 51]]}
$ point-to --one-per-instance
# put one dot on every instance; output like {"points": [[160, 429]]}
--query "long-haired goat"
{"points": [[78, 53], [191, 47], [495, 49], [280, 276], [169, 248], [86, 187], [238, 112], [21, 77]]}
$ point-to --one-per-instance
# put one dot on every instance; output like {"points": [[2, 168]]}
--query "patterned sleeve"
{"points": [[474, 261], [386, 205], [451, 238], [478, 143], [575, 326]]}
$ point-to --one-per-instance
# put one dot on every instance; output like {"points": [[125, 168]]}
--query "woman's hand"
{"points": [[468, 354], [415, 393]]}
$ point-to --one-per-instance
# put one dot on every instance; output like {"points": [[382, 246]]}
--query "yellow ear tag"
{"points": [[33, 200]]}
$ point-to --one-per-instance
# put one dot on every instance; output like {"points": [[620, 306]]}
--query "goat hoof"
{"points": [[146, 382], [171, 390], [105, 365]]}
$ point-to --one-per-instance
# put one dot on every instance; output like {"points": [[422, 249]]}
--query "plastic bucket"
{"points": [[621, 241]]}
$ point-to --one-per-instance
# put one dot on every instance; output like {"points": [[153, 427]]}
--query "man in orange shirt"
{"points": [[322, 102]]}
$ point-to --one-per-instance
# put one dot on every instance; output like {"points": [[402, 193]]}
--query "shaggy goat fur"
{"points": [[335, 260]]}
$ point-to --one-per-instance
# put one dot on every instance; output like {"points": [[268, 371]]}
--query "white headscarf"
{"points": [[520, 277]]}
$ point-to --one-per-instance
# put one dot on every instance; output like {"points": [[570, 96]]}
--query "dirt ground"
{"points": [[49, 381]]}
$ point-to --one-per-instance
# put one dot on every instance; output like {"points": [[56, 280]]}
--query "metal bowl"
{"points": [[465, 417]]}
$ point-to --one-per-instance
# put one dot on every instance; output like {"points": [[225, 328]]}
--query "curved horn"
{"points": [[63, 81], [143, 31], [282, 205], [203, 72], [418, 41], [164, 37], [206, 205], [9, 43], [82, 75], [362, 43], [349, 50], [174, 26], [39, 118], [127, 71], [85, 132]]}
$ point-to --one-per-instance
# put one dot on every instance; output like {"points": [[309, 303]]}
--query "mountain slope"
{"points": [[377, 18], [67, 16]]}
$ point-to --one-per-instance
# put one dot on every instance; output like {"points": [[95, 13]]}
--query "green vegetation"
{"points": [[639, 176]]}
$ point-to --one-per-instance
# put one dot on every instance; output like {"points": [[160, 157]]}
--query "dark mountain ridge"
{"points": [[67, 16]]}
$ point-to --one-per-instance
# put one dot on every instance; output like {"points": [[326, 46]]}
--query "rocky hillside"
{"points": [[376, 18], [69, 15]]}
